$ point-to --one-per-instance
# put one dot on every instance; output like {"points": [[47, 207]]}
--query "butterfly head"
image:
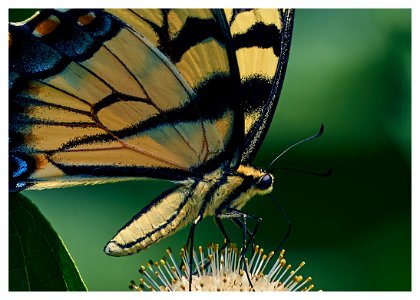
{"points": [[262, 181], [265, 182]]}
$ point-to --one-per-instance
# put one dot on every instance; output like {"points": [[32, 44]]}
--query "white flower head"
{"points": [[222, 270]]}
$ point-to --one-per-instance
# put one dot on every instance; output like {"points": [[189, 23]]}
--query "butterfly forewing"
{"points": [[261, 38]]}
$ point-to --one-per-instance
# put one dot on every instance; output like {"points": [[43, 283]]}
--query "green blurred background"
{"points": [[348, 69]]}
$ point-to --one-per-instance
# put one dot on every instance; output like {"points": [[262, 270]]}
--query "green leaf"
{"points": [[38, 258]]}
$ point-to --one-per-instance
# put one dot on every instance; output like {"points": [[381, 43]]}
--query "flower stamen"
{"points": [[222, 269]]}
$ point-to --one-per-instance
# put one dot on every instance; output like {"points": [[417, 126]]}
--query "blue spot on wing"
{"points": [[20, 185], [21, 167]]}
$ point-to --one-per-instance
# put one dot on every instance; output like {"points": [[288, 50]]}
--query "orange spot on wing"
{"points": [[41, 161], [86, 19], [46, 26]]}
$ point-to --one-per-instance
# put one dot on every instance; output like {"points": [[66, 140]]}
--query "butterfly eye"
{"points": [[265, 182]]}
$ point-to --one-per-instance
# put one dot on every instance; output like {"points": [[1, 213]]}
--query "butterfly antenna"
{"points": [[323, 174], [310, 138]]}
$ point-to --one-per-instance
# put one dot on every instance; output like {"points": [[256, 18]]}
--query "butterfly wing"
{"points": [[102, 96], [261, 39], [96, 99]]}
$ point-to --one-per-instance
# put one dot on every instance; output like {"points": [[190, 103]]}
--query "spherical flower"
{"points": [[222, 270]]}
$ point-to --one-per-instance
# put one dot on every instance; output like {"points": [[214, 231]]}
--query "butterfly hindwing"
{"points": [[91, 108]]}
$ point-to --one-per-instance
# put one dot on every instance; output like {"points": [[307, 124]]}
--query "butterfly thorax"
{"points": [[233, 189]]}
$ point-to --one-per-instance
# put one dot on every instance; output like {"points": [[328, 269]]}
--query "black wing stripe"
{"points": [[33, 121], [194, 32], [109, 171], [260, 35], [234, 148], [235, 13], [114, 98]]}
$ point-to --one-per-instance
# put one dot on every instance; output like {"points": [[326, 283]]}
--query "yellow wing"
{"points": [[97, 99]]}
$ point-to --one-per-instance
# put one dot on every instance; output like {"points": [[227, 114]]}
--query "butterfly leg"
{"points": [[236, 215], [238, 223], [227, 238], [190, 241], [190, 246], [222, 229], [251, 235]]}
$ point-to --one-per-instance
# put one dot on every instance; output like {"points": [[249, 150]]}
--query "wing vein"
{"points": [[151, 100], [65, 92]]}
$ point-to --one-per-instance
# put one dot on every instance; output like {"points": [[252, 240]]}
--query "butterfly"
{"points": [[185, 95]]}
